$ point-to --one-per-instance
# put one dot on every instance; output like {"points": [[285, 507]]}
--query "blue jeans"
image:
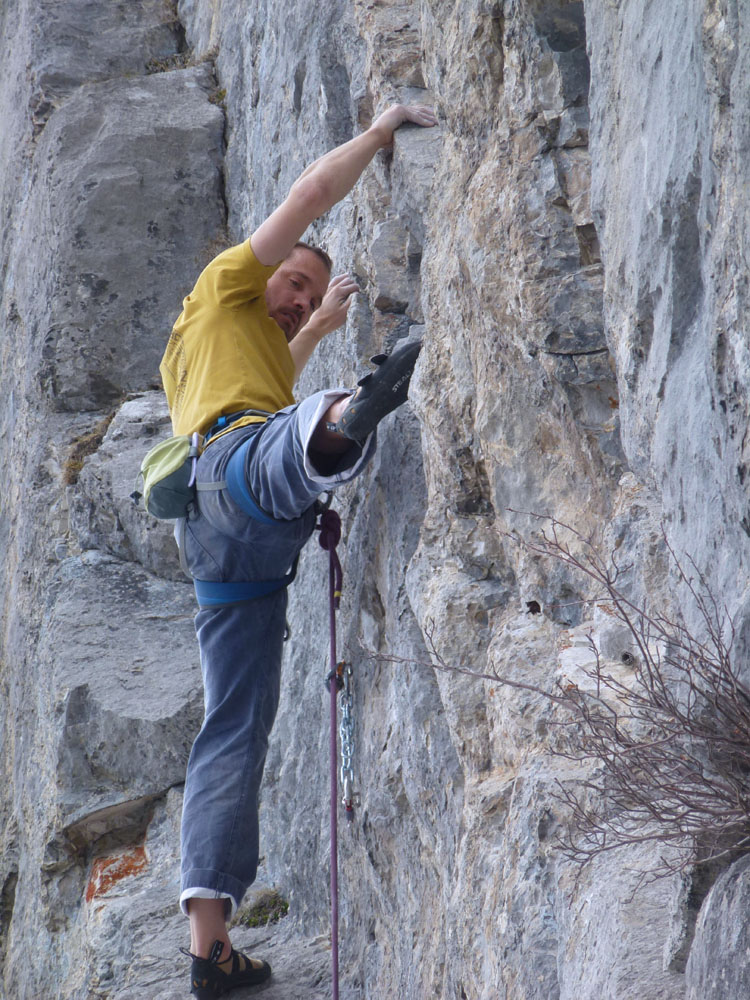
{"points": [[241, 644]]}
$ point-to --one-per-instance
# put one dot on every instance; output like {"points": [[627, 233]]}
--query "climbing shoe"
{"points": [[211, 978], [379, 392]]}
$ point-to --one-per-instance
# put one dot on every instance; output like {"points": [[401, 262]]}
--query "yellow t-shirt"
{"points": [[226, 353]]}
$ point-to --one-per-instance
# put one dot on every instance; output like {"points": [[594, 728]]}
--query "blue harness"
{"points": [[211, 593]]}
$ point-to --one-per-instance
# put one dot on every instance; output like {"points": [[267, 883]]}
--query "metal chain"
{"points": [[346, 732]]}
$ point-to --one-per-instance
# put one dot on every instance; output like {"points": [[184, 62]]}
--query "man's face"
{"points": [[296, 290]]}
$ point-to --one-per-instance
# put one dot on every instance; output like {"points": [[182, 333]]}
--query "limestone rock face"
{"points": [[718, 965], [102, 513], [672, 221], [569, 244]]}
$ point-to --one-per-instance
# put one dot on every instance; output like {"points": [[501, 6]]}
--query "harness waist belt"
{"points": [[212, 592], [229, 419]]}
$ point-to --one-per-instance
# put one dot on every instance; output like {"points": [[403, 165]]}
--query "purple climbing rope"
{"points": [[329, 527]]}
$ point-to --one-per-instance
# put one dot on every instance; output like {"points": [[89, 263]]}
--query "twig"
{"points": [[670, 752]]}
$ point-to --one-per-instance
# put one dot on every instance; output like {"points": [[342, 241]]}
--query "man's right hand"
{"points": [[387, 123]]}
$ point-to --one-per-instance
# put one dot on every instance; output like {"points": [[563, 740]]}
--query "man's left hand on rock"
{"points": [[335, 305]]}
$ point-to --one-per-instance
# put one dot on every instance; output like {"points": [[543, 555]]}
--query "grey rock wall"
{"points": [[570, 244], [671, 204]]}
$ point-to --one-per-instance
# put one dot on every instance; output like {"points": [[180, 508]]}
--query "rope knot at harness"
{"points": [[329, 526]]}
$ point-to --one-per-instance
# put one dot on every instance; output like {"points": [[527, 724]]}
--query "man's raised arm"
{"points": [[327, 181]]}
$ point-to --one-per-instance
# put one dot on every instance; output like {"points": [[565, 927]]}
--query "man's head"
{"points": [[297, 288]]}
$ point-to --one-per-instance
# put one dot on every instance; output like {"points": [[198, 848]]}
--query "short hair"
{"points": [[318, 251]]}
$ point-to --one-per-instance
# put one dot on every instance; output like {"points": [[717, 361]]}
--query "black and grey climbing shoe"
{"points": [[380, 391], [210, 978]]}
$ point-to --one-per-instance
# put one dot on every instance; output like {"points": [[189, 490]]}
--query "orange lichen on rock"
{"points": [[108, 871]]}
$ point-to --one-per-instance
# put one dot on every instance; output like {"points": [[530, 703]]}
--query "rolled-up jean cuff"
{"points": [[321, 402], [231, 889]]}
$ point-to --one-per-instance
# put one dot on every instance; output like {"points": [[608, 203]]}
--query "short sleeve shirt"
{"points": [[225, 353]]}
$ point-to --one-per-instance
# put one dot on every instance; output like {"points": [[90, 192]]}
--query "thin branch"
{"points": [[670, 750]]}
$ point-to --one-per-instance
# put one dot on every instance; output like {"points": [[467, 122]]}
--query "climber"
{"points": [[247, 329]]}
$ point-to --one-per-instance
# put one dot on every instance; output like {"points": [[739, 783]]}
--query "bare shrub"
{"points": [[671, 745], [668, 745]]}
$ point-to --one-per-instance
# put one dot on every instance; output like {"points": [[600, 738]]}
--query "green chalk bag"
{"points": [[168, 477]]}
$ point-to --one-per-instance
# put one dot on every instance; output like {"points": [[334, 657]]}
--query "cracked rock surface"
{"points": [[569, 243]]}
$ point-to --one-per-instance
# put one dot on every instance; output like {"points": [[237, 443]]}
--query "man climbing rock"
{"points": [[246, 331]]}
